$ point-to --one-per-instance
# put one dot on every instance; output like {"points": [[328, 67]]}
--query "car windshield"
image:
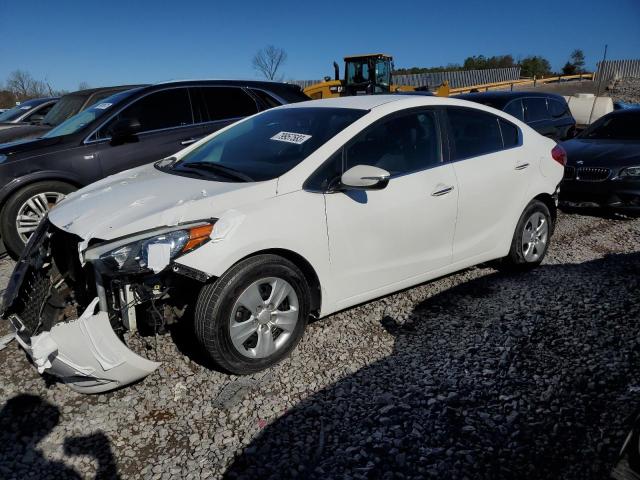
{"points": [[620, 126], [79, 121], [267, 145], [18, 110], [67, 106]]}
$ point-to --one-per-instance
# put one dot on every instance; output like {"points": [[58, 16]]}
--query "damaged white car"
{"points": [[298, 211]]}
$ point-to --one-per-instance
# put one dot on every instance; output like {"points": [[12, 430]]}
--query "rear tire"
{"points": [[31, 203], [254, 315], [530, 241]]}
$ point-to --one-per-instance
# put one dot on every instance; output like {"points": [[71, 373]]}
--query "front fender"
{"points": [[294, 222]]}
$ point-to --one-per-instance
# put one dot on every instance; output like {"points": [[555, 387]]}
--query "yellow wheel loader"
{"points": [[363, 75]]}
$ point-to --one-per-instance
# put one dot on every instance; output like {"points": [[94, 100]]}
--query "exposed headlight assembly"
{"points": [[630, 172], [150, 250]]}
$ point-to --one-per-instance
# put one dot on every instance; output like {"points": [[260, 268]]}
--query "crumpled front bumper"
{"points": [[86, 354]]}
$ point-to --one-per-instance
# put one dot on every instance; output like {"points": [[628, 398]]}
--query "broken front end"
{"points": [[72, 303]]}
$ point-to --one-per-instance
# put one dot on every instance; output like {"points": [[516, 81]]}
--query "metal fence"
{"points": [[612, 69], [462, 78]]}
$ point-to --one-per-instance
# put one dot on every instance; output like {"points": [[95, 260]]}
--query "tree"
{"points": [[535, 66], [24, 86], [83, 85], [577, 60], [569, 69], [481, 62], [268, 61]]}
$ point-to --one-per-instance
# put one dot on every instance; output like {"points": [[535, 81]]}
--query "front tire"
{"points": [[531, 239], [254, 315], [25, 209]]}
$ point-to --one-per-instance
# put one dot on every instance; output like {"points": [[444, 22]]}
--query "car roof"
{"points": [[369, 102], [504, 97], [37, 101], [87, 92], [231, 82], [290, 92]]}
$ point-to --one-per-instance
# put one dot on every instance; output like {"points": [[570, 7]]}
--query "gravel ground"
{"points": [[626, 90], [478, 375]]}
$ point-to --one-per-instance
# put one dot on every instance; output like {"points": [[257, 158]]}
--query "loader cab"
{"points": [[367, 74]]}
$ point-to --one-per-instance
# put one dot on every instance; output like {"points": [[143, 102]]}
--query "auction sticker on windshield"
{"points": [[289, 137]]}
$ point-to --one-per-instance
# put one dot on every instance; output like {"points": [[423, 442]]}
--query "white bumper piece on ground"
{"points": [[87, 355], [4, 341]]}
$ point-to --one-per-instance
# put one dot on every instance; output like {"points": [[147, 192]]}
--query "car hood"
{"points": [[21, 132], [602, 153], [145, 198]]}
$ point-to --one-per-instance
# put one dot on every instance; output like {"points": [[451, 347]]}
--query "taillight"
{"points": [[559, 154]]}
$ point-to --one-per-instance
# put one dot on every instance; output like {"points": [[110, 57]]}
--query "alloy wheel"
{"points": [[33, 210], [264, 317], [535, 236]]}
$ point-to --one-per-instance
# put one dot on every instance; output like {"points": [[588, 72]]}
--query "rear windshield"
{"points": [[267, 145], [19, 110], [79, 121], [620, 126]]}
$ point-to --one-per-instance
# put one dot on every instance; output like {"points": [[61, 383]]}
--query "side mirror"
{"points": [[124, 129], [365, 177]]}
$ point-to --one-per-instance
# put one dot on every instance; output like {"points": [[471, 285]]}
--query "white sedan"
{"points": [[299, 211]]}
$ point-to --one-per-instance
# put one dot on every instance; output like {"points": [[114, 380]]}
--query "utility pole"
{"points": [[604, 57]]}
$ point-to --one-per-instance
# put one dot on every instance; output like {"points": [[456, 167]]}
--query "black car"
{"points": [[125, 130], [64, 108], [546, 113], [27, 112], [603, 163]]}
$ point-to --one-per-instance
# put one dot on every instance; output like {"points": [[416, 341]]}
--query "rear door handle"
{"points": [[189, 141], [522, 166], [443, 191]]}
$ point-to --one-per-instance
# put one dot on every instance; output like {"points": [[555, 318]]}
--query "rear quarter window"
{"points": [[535, 109], [267, 100], [222, 103], [558, 108], [510, 134]]}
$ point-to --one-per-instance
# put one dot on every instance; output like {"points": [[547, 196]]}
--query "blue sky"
{"points": [[114, 42]]}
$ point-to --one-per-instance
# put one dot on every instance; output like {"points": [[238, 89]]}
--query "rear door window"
{"points": [[473, 132], [158, 110], [535, 109], [515, 108], [223, 103]]}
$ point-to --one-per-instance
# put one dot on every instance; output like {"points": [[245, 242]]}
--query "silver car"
{"points": [[29, 111]]}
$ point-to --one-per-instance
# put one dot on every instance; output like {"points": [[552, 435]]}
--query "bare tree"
{"points": [[268, 61], [83, 85], [24, 86]]}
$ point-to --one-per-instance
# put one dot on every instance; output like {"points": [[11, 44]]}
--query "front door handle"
{"points": [[189, 141], [442, 191], [522, 166]]}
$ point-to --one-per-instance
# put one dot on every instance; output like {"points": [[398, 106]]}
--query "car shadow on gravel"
{"points": [[25, 421], [527, 376], [598, 212]]}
